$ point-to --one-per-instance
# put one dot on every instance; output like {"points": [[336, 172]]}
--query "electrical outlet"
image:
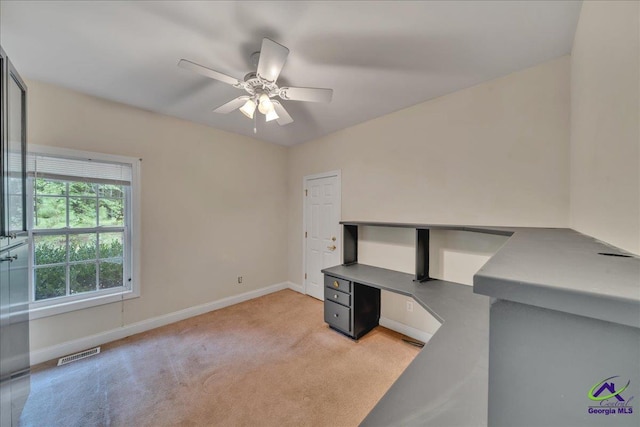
{"points": [[240, 279], [410, 306]]}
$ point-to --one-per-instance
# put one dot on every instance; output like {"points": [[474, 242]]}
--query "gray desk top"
{"points": [[446, 384], [560, 269]]}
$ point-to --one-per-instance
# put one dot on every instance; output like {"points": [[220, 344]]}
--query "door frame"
{"points": [[305, 180]]}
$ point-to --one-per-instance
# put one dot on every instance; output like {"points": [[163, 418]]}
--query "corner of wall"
{"points": [[604, 158]]}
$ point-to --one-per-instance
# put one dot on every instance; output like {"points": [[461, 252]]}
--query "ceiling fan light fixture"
{"points": [[248, 108], [272, 115], [265, 105]]}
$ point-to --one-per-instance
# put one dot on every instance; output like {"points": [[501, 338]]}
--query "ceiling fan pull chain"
{"points": [[255, 123]]}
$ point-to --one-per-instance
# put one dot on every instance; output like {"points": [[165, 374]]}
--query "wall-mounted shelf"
{"points": [[350, 240]]}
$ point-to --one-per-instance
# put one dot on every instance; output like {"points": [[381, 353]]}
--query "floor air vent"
{"points": [[78, 356]]}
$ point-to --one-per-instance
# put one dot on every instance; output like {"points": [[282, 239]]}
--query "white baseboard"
{"points": [[409, 331], [295, 287], [63, 349]]}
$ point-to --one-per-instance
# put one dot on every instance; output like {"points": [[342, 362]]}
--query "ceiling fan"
{"points": [[261, 86]]}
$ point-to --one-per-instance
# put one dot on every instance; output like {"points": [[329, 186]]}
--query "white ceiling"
{"points": [[378, 56]]}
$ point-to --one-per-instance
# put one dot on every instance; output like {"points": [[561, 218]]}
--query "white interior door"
{"points": [[322, 228]]}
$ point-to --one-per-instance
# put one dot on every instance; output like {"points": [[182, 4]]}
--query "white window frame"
{"points": [[54, 306]]}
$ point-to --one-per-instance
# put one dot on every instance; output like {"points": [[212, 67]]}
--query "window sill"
{"points": [[39, 312]]}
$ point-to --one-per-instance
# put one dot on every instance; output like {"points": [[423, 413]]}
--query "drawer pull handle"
{"points": [[335, 315], [336, 284], [335, 296]]}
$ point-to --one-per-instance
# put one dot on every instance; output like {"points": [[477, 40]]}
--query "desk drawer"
{"points": [[335, 283], [337, 316], [335, 296]]}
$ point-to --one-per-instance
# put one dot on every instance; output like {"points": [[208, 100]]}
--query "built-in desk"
{"points": [[451, 371], [548, 318]]}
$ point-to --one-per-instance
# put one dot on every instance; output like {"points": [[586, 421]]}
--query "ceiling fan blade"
{"points": [[283, 117], [231, 105], [208, 72], [272, 59], [309, 94]]}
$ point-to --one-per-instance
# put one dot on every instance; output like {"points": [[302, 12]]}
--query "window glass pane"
{"points": [[15, 212], [82, 277], [50, 212], [111, 245], [112, 191], [50, 187], [51, 282], [111, 212], [82, 212], [50, 249], [82, 189], [82, 247], [15, 185], [111, 274]]}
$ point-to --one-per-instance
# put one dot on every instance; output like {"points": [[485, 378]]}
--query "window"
{"points": [[83, 210]]}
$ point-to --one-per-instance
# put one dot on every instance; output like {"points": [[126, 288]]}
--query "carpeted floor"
{"points": [[271, 361]]}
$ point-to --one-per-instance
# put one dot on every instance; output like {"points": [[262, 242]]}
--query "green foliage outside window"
{"points": [[51, 281], [51, 204]]}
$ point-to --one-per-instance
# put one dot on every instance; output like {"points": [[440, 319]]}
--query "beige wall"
{"points": [[496, 153], [213, 206], [605, 117]]}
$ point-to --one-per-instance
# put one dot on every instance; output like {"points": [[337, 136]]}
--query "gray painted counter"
{"points": [[557, 269], [562, 270]]}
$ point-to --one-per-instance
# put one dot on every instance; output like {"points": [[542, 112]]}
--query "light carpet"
{"points": [[271, 361]]}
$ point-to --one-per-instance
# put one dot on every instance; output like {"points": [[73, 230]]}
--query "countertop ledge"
{"points": [[564, 270]]}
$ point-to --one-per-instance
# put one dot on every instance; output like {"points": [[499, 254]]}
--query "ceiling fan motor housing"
{"points": [[255, 85]]}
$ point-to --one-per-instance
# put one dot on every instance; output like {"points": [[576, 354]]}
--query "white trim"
{"points": [[136, 226], [295, 287], [327, 174], [409, 331], [80, 154], [338, 174], [36, 312], [63, 349]]}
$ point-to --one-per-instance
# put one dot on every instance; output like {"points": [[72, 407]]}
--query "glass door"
{"points": [[16, 147]]}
